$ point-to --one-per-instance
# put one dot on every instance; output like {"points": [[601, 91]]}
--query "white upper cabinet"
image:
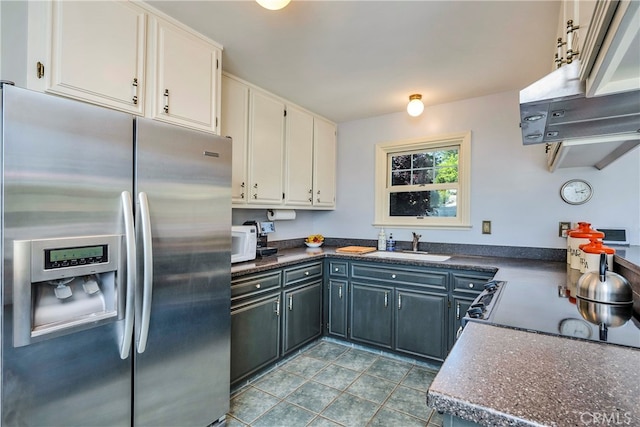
{"points": [[266, 149], [97, 53], [612, 52], [186, 77], [324, 163], [299, 158], [235, 123]]}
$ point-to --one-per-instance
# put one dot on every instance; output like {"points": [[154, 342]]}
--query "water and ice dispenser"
{"points": [[65, 285]]}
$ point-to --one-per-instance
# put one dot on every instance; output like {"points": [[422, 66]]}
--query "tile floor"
{"points": [[330, 384]]}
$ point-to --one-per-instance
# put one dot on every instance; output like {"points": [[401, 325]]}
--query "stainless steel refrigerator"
{"points": [[116, 237]]}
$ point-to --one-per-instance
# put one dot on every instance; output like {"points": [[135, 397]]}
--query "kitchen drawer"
{"points": [[296, 275], [338, 268], [405, 276], [256, 284], [469, 283]]}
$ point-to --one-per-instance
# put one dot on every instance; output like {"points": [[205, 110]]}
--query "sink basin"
{"points": [[408, 255]]}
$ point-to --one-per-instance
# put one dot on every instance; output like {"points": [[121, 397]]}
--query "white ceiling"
{"points": [[348, 60]]}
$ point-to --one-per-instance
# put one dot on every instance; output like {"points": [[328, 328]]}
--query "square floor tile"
{"points": [[326, 351], [387, 417], [411, 402], [419, 378], [336, 376], [313, 396], [392, 370], [304, 366], [350, 410], [232, 422], [250, 404], [280, 383], [355, 359], [371, 388], [284, 414]]}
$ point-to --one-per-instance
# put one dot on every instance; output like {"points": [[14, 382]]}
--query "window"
{"points": [[423, 182]]}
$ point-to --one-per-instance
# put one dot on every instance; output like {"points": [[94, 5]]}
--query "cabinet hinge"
{"points": [[449, 303], [217, 64], [285, 113], [282, 196], [40, 70], [216, 123]]}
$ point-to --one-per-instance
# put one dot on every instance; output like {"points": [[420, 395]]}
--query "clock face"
{"points": [[576, 192]]}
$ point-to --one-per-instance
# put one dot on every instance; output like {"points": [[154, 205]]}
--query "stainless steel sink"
{"points": [[420, 256]]}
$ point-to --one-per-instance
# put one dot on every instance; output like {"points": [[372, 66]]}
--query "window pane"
{"points": [[401, 162], [422, 160], [424, 176], [401, 178], [439, 203]]}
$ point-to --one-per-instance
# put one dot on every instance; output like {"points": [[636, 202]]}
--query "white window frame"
{"points": [[382, 177]]}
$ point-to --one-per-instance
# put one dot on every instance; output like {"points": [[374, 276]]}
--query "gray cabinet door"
{"points": [[302, 315], [338, 308], [420, 324], [255, 335], [371, 314]]}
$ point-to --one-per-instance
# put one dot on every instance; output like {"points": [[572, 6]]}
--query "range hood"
{"points": [[555, 109]]}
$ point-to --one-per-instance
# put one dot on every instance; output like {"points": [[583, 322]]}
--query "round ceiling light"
{"points": [[415, 107], [273, 4]]}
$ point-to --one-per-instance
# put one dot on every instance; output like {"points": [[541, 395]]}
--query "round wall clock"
{"points": [[576, 191]]}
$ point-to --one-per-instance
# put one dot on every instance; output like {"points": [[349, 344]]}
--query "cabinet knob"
{"points": [[336, 269], [471, 285], [393, 276], [258, 286], [306, 273]]}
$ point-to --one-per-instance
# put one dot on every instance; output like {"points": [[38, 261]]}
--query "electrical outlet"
{"points": [[563, 228], [486, 227]]}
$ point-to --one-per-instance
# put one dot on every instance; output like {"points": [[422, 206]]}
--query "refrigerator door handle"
{"points": [[147, 255], [130, 243]]}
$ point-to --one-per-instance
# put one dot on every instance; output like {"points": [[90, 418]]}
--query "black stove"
{"points": [[546, 308]]}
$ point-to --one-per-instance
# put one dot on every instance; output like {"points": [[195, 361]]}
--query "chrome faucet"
{"points": [[416, 237]]}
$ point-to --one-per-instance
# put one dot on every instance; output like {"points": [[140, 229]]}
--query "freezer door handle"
{"points": [[130, 243], [147, 271]]}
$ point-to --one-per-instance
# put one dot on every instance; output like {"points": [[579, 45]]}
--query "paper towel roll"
{"points": [[280, 214]]}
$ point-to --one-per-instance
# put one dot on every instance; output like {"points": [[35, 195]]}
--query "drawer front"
{"points": [[256, 285], [469, 283], [338, 268], [405, 276], [296, 275]]}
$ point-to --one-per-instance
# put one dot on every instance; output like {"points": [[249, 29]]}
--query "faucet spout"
{"points": [[416, 238]]}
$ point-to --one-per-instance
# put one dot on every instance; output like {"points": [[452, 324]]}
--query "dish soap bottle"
{"points": [[391, 244], [382, 240]]}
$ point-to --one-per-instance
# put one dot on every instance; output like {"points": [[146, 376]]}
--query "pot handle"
{"points": [[603, 267]]}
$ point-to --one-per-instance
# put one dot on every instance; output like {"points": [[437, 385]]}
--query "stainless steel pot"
{"points": [[611, 315], [604, 286]]}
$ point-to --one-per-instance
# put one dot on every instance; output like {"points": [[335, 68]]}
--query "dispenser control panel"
{"points": [[75, 256]]}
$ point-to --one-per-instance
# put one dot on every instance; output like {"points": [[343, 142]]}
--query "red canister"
{"points": [[578, 237], [590, 255]]}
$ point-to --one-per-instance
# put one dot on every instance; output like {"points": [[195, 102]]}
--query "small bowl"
{"points": [[313, 245]]}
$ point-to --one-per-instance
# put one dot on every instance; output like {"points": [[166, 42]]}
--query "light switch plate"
{"points": [[563, 228], [486, 227]]}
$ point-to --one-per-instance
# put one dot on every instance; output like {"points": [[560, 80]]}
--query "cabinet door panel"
{"points": [[338, 308], [97, 52], [299, 158], [266, 139], [324, 163], [186, 76], [371, 314], [255, 335], [420, 324], [235, 123], [302, 315]]}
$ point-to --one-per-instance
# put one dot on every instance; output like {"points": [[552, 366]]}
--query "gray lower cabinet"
{"points": [[371, 314], [255, 336], [337, 308], [420, 323], [302, 315]]}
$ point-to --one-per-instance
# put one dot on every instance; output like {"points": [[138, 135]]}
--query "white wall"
{"points": [[511, 186]]}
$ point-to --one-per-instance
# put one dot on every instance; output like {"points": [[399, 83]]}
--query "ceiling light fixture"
{"points": [[415, 107], [273, 4]]}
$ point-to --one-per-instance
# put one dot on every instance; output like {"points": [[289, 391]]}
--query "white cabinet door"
{"points": [[186, 77], [235, 123], [299, 158], [266, 149], [324, 163], [97, 53]]}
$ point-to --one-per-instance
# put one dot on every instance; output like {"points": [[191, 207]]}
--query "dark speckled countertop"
{"points": [[506, 377]]}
